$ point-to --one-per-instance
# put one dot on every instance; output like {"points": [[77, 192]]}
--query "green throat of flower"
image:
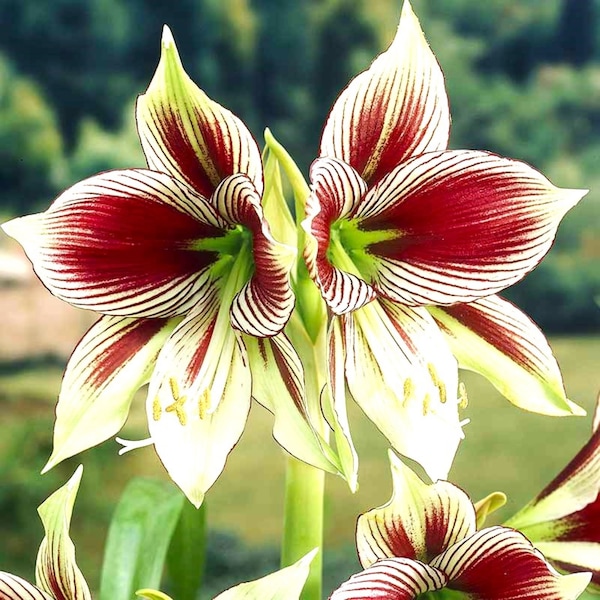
{"points": [[349, 247]]}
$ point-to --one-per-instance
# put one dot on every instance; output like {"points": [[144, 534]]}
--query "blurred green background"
{"points": [[524, 81]]}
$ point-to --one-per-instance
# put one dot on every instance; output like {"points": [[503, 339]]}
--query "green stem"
{"points": [[303, 521], [304, 484], [187, 553]]}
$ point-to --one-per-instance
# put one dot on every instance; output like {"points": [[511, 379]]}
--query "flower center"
{"points": [[349, 247]]}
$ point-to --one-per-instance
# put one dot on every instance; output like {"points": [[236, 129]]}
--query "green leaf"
{"points": [[187, 553], [138, 538]]}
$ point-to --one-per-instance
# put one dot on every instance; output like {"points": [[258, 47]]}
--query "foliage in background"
{"points": [[524, 81]]}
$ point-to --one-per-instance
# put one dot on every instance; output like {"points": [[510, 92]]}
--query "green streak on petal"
{"points": [[230, 244]]}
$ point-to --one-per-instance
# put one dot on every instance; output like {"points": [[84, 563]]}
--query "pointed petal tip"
{"points": [[576, 410], [167, 38], [572, 586]]}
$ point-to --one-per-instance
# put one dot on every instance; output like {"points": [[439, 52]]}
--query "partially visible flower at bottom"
{"points": [[58, 577], [563, 520], [425, 540]]}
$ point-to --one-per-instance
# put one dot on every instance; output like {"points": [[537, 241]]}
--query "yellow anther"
{"points": [[432, 373], [437, 382], [409, 388], [463, 400], [426, 404], [156, 409], [177, 406], [204, 403]]}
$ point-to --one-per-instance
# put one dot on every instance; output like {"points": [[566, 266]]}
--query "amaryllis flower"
{"points": [[193, 288], [563, 520], [425, 540], [409, 242]]}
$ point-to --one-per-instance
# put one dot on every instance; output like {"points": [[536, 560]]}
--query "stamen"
{"points": [[426, 404], [462, 395], [437, 382], [177, 406], [129, 445], [204, 403], [409, 388], [156, 409]]}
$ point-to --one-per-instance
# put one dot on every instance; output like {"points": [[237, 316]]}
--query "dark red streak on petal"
{"points": [[492, 332], [127, 342], [127, 244], [184, 157]]}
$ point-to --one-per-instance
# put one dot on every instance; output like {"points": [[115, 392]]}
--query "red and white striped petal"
{"points": [[467, 225], [56, 571], [336, 190], [573, 494], [15, 588], [396, 109], [188, 135], [419, 522], [264, 304], [121, 243], [278, 384], [391, 579], [400, 371], [199, 398], [111, 362], [494, 338], [500, 563]]}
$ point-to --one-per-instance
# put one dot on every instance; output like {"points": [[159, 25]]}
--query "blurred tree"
{"points": [[577, 31], [31, 152]]}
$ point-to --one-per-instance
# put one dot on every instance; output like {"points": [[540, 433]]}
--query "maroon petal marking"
{"points": [[391, 579], [396, 109], [466, 225], [186, 134], [493, 337], [121, 243], [500, 563], [419, 522], [15, 588], [336, 190], [265, 303]]}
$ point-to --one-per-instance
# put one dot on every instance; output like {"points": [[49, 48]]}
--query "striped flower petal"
{"points": [[500, 563], [112, 361], [278, 384], [199, 398], [401, 373], [56, 571], [396, 109], [15, 588], [264, 304], [122, 243], [391, 579], [563, 521], [493, 337], [419, 522], [336, 190], [465, 225], [185, 133], [575, 489]]}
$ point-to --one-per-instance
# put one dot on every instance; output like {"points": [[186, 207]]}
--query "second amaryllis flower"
{"points": [[409, 242], [193, 288]]}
